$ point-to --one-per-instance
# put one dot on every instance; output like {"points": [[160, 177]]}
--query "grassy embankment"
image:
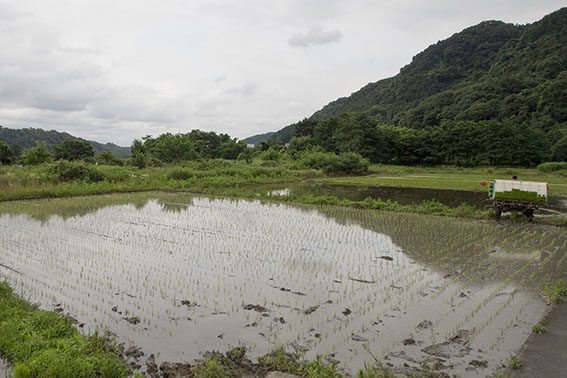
{"points": [[42, 343], [450, 177], [238, 179], [36, 341], [17, 183]]}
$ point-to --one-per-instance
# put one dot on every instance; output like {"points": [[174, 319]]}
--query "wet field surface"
{"points": [[405, 196], [176, 275]]}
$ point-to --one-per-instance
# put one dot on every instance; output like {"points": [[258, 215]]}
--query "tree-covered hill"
{"points": [[257, 139], [21, 139], [493, 71]]}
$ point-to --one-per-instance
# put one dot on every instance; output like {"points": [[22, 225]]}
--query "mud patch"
{"points": [[456, 346]]}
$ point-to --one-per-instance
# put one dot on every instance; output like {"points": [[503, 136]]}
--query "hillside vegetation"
{"points": [[507, 75], [20, 139], [491, 71]]}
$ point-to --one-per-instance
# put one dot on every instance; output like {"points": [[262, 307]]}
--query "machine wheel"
{"points": [[497, 212], [529, 213]]}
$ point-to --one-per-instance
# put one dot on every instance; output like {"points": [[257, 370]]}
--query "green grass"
{"points": [[44, 344], [449, 177], [238, 179], [18, 183]]}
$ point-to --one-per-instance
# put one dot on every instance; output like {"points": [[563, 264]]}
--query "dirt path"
{"points": [[545, 355]]}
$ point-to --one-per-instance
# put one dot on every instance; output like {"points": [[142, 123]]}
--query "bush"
{"points": [[65, 171], [270, 154], [335, 164], [36, 155], [552, 167], [180, 174]]}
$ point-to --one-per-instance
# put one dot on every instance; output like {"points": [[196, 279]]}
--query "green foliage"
{"points": [[71, 171], [36, 155], [557, 292], [540, 328], [211, 369], [280, 360], [270, 154], [247, 154], [559, 150], [552, 167], [515, 363], [108, 158], [454, 143], [493, 94], [175, 148], [317, 369], [236, 353], [44, 344], [379, 371], [520, 195], [73, 149], [345, 163], [138, 160], [7, 155], [231, 149], [20, 139], [491, 71], [299, 144], [274, 144]]}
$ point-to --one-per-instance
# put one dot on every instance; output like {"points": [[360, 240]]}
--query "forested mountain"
{"points": [[256, 139], [21, 139], [489, 72]]}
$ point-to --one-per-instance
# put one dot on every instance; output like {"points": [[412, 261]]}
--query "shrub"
{"points": [[336, 164], [67, 171], [36, 155], [180, 174], [552, 167], [270, 154]]}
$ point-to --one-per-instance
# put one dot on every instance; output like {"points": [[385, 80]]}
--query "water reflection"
{"points": [[205, 273], [404, 196]]}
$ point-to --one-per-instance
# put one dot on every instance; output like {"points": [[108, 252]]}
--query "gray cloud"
{"points": [[246, 89], [95, 71], [315, 36]]}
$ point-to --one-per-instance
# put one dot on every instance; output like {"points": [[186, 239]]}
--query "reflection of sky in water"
{"points": [[404, 196], [306, 266]]}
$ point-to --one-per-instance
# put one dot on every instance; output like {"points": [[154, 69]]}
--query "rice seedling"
{"points": [[261, 273]]}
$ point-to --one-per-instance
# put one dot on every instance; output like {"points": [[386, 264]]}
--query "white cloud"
{"points": [[315, 36], [114, 71]]}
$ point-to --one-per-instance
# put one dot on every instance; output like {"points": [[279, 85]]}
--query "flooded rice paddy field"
{"points": [[404, 196], [177, 275]]}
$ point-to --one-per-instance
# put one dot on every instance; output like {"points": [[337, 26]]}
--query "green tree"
{"points": [[559, 150], [231, 149], [247, 154], [171, 148], [36, 155], [7, 155], [73, 149], [106, 157], [305, 127], [298, 144], [137, 147]]}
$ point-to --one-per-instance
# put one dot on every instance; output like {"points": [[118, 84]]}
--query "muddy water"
{"points": [[404, 196], [177, 275], [4, 371]]}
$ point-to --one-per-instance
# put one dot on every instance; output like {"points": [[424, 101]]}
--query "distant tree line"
{"points": [[462, 143], [195, 145]]}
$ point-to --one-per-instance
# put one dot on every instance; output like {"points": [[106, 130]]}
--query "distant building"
{"points": [[250, 145]]}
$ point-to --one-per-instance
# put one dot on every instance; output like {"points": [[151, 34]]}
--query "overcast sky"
{"points": [[115, 70]]}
